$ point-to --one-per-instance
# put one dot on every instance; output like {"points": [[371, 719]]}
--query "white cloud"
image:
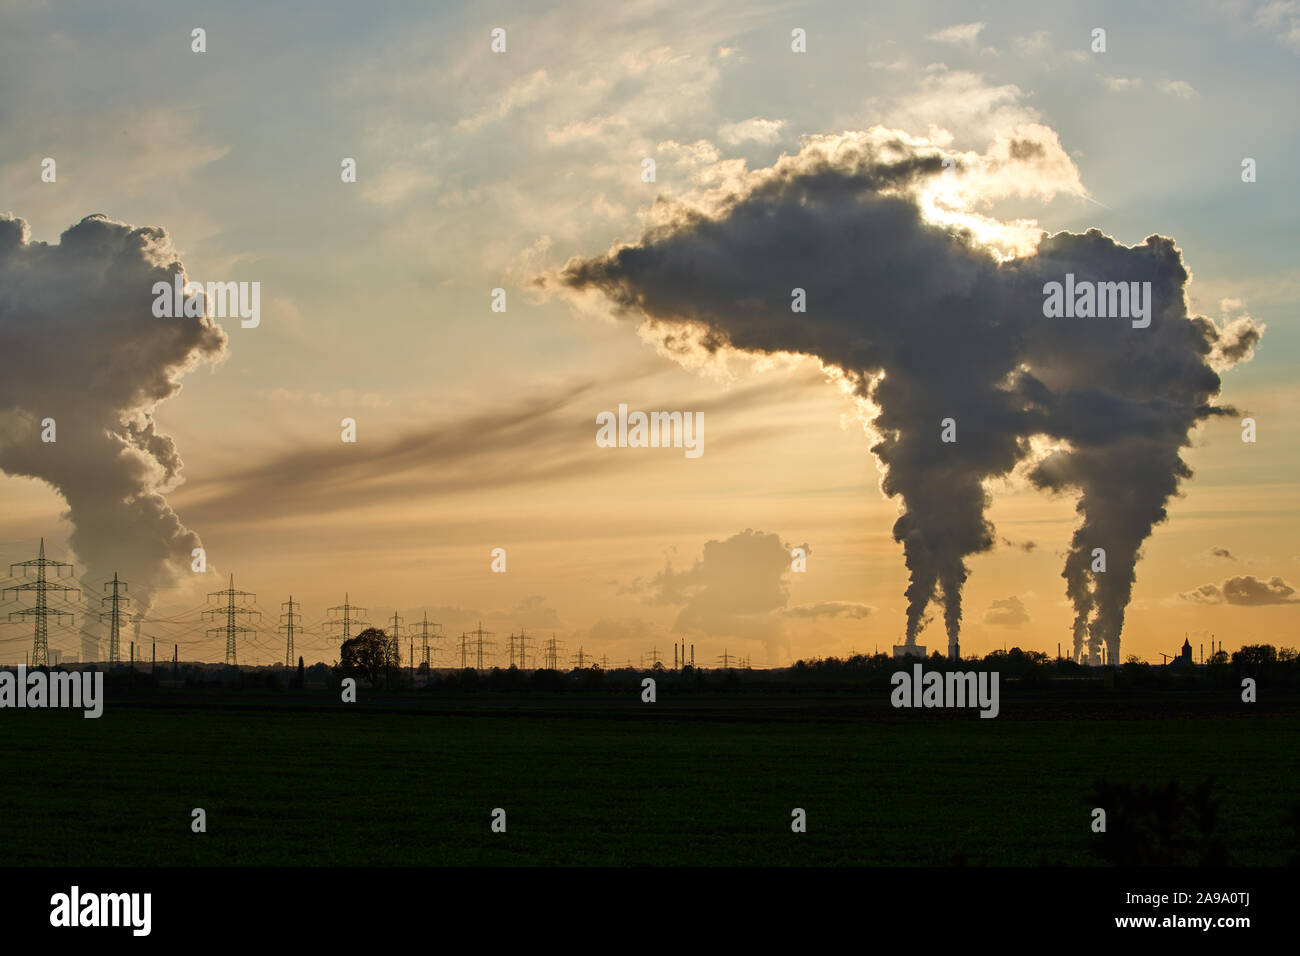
{"points": [[1179, 88], [958, 103], [522, 93], [1035, 43], [961, 34], [755, 129], [1118, 84], [1281, 18]]}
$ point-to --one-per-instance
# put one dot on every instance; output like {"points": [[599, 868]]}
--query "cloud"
{"points": [[1179, 88], [931, 310], [1243, 591], [1026, 546], [137, 149], [961, 34], [1278, 18], [1282, 19], [848, 609], [1118, 84], [731, 590], [1033, 44], [1222, 553], [515, 97], [958, 103], [398, 182], [96, 360], [543, 436], [755, 129], [1008, 612]]}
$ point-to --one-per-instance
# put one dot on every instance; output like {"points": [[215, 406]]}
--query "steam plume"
{"points": [[935, 311], [83, 348]]}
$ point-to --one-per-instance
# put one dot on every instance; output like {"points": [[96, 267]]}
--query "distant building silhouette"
{"points": [[1184, 660]]}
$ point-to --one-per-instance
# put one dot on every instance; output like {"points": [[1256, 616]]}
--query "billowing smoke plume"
{"points": [[934, 312], [81, 346]]}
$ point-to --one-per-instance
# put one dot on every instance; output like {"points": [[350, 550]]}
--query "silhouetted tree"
{"points": [[367, 655]]}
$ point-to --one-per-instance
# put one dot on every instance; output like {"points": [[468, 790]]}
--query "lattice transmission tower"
{"points": [[41, 613], [232, 628], [425, 634], [347, 620], [117, 602], [292, 623]]}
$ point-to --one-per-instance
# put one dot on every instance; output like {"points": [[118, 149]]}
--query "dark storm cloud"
{"points": [[929, 324]]}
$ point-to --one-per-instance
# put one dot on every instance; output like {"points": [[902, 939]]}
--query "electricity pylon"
{"points": [[478, 644], [519, 642], [582, 658], [292, 622], [116, 602], [345, 622], [551, 654], [231, 628], [424, 636], [397, 629], [42, 586]]}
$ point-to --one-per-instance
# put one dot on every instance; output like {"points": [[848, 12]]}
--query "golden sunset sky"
{"points": [[476, 429]]}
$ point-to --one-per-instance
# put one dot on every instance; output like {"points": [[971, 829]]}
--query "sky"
{"points": [[476, 429]]}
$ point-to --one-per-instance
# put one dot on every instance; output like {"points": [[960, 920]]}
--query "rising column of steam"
{"points": [[932, 311], [96, 361]]}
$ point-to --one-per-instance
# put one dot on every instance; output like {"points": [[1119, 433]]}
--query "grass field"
{"points": [[712, 783]]}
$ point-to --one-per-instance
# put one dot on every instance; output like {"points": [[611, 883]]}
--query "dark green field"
{"points": [[712, 782]]}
